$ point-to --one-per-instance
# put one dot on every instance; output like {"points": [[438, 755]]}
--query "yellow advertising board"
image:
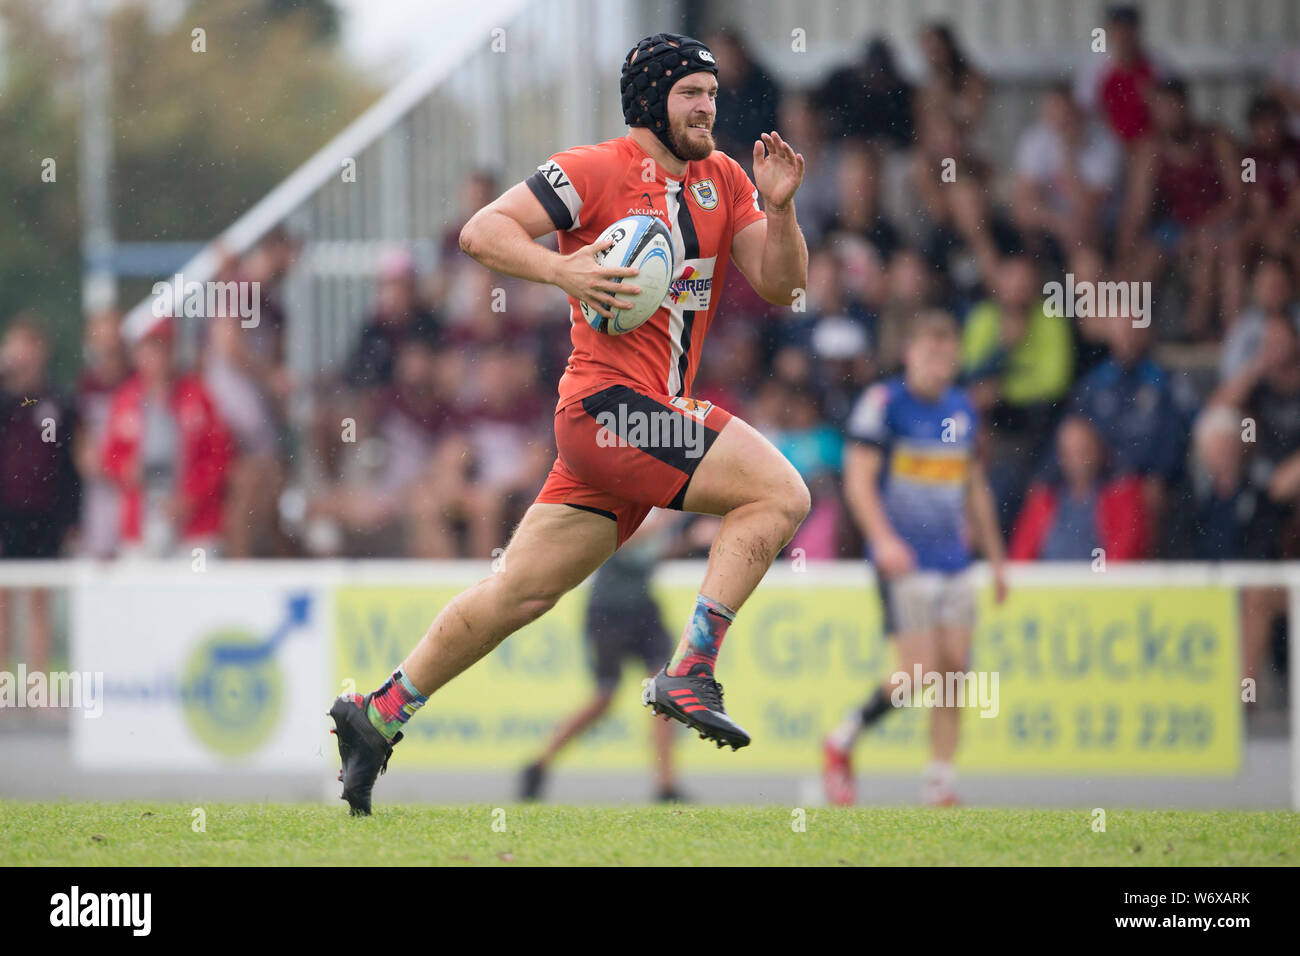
{"points": [[1087, 679]]}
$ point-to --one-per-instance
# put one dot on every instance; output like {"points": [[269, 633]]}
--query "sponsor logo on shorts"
{"points": [[693, 406]]}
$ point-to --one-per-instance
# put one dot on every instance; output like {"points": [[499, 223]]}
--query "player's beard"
{"points": [[687, 145]]}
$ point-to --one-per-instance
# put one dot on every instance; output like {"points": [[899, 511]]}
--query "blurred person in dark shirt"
{"points": [[1267, 389], [869, 98], [398, 314], [1231, 518], [624, 621], [1272, 297], [39, 488], [1132, 402], [1236, 519], [747, 95], [105, 366]]}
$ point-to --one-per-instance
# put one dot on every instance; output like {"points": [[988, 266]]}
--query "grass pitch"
{"points": [[133, 834]]}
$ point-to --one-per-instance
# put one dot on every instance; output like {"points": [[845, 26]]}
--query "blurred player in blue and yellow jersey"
{"points": [[919, 495]]}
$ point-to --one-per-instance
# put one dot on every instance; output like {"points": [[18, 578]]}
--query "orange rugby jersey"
{"points": [[586, 189]]}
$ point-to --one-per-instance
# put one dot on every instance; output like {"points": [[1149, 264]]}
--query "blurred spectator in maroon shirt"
{"points": [[377, 505], [169, 452], [397, 315], [106, 367], [1183, 192], [508, 415], [1116, 86], [1272, 202], [38, 481]]}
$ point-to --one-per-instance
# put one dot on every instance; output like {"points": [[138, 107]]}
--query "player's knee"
{"points": [[794, 503], [526, 601]]}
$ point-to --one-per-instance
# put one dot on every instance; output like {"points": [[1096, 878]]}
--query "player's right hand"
{"points": [[893, 557], [581, 276]]}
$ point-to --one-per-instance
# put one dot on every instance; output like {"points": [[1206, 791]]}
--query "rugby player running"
{"points": [[599, 491]]}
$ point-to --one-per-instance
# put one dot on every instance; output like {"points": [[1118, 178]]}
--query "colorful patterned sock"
{"points": [[394, 703], [702, 637]]}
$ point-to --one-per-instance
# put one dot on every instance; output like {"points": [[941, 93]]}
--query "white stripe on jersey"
{"points": [[676, 320]]}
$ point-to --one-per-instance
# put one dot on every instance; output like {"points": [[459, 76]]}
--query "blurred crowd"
{"points": [[1171, 434]]}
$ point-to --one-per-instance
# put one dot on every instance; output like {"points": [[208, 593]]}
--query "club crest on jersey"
{"points": [[693, 287], [706, 197]]}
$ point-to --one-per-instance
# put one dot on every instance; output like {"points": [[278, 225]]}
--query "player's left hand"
{"points": [[778, 170]]}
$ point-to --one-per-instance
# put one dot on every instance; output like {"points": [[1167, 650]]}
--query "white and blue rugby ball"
{"points": [[642, 243]]}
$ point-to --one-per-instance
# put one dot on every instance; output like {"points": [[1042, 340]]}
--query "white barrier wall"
{"points": [[1133, 671]]}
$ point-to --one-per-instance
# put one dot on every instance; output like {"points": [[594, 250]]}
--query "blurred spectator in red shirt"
{"points": [[1117, 86], [169, 452], [1068, 519]]}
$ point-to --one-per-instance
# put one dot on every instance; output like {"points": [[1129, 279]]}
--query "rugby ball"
{"points": [[642, 243]]}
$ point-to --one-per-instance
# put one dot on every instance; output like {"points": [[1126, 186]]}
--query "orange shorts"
{"points": [[623, 452]]}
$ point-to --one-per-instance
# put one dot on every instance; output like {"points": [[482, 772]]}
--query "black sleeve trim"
{"points": [[554, 207]]}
